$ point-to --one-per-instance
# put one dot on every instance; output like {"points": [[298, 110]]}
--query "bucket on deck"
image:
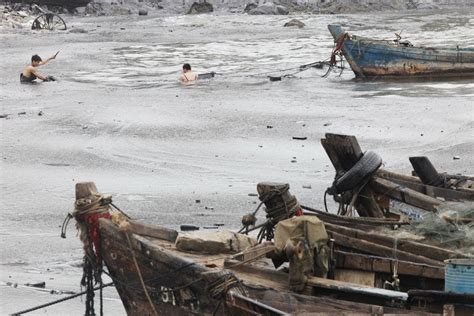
{"points": [[459, 276]]}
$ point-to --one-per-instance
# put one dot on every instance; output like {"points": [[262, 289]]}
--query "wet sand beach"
{"points": [[117, 116]]}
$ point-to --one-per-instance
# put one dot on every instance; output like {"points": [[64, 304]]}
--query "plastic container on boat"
{"points": [[459, 276]]}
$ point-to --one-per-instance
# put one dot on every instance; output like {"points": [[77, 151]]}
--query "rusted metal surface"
{"points": [[380, 58]]}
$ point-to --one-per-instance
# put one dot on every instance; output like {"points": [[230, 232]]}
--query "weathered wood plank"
{"points": [[345, 150], [85, 189], [447, 194], [354, 220], [321, 283], [152, 231], [403, 194], [350, 260], [384, 251], [253, 253], [410, 246], [426, 171]]}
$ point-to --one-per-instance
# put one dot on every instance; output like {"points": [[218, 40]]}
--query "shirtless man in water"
{"points": [[188, 77], [30, 73]]}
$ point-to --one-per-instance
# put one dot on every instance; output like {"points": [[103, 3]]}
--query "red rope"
{"points": [[338, 48], [92, 222]]}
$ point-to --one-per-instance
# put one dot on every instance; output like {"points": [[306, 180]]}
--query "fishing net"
{"points": [[451, 227]]}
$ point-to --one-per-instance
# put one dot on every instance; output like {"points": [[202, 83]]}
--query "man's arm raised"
{"points": [[50, 58]]}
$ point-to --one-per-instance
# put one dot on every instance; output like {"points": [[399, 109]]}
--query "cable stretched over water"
{"points": [[60, 300]]}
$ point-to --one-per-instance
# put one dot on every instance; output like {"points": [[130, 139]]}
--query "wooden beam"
{"points": [[344, 290], [85, 189], [354, 220], [406, 195], [153, 231], [350, 260], [445, 193], [251, 254], [343, 150], [384, 251], [429, 251]]}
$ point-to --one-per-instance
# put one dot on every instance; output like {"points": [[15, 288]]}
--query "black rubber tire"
{"points": [[365, 167]]}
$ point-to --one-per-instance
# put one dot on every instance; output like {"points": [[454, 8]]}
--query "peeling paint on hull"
{"points": [[377, 58]]}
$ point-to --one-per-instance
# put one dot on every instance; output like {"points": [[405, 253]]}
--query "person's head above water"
{"points": [[36, 60], [186, 67]]}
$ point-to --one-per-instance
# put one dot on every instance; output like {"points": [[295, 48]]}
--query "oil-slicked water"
{"points": [[117, 116]]}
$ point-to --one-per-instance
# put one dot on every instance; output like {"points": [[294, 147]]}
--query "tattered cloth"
{"points": [[87, 213], [309, 229]]}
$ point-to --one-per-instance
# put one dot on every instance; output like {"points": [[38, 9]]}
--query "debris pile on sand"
{"points": [[108, 8], [16, 16], [200, 7], [22, 15]]}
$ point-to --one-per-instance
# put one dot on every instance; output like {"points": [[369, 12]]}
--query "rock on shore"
{"points": [[269, 8]]}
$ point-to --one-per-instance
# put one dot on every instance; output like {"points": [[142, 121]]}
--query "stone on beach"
{"points": [[269, 8], [200, 7], [294, 22]]}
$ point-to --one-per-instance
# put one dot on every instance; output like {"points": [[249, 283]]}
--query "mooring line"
{"points": [[60, 300]]}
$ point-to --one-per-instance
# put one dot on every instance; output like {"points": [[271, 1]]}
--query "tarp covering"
{"points": [[308, 228], [311, 230], [214, 242]]}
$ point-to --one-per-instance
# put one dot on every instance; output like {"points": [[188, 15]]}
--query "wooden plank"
{"points": [[369, 247], [443, 297], [159, 232], [343, 289], [410, 246], [346, 150], [426, 171], [406, 195], [390, 175], [447, 194], [350, 260], [366, 201], [254, 253], [354, 220], [85, 189], [355, 276]]}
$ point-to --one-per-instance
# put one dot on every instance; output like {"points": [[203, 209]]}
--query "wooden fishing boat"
{"points": [[371, 58], [155, 276]]}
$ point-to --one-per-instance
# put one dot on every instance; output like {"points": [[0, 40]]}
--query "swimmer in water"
{"points": [[188, 77]]}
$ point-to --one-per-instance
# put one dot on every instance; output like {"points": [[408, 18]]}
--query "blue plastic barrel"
{"points": [[459, 276]]}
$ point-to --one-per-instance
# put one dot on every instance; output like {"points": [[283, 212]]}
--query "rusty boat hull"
{"points": [[370, 58]]}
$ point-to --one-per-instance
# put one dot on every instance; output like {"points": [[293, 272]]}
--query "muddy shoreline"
{"points": [[117, 116]]}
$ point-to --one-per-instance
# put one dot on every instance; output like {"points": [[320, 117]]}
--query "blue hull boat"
{"points": [[371, 58]]}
